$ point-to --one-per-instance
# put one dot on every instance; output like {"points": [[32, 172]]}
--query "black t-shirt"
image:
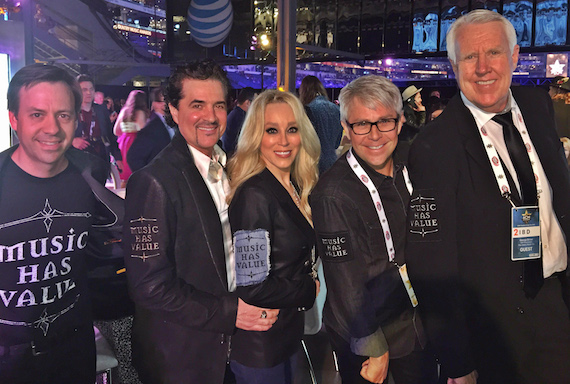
{"points": [[44, 226]]}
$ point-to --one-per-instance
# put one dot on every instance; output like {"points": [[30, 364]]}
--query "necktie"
{"points": [[532, 269], [215, 171]]}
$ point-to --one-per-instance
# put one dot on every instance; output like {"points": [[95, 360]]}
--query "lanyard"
{"points": [[365, 179], [496, 165]]}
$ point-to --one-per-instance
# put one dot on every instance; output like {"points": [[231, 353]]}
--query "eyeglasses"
{"points": [[364, 127]]}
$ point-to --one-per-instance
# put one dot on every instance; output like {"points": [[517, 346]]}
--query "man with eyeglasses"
{"points": [[359, 213]]}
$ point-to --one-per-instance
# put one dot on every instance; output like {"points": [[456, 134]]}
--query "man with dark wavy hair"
{"points": [[178, 247]]}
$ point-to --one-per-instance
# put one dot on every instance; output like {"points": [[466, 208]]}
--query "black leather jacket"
{"points": [[176, 269], [262, 202]]}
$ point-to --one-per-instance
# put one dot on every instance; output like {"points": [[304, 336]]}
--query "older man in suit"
{"points": [[489, 219], [154, 137], [177, 238]]}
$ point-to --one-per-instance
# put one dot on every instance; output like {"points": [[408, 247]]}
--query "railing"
{"points": [[71, 34]]}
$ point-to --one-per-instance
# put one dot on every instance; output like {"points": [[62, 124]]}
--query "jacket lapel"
{"points": [[542, 142], [471, 138], [206, 208], [287, 204]]}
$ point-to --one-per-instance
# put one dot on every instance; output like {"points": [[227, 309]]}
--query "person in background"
{"points": [[489, 219], [414, 112], [132, 118], [178, 245], [435, 109], [154, 137], [94, 133], [272, 173], [559, 91], [359, 210], [435, 93], [325, 117], [566, 143], [99, 98], [108, 102], [235, 120]]}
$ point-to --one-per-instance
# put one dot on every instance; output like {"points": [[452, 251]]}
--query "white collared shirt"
{"points": [[219, 190], [554, 251]]}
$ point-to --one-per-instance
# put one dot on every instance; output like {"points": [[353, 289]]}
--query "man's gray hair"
{"points": [[478, 16], [371, 91]]}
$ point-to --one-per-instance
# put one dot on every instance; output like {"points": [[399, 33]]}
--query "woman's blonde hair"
{"points": [[247, 162]]}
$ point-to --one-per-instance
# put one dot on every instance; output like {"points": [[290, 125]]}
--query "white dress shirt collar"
{"points": [[202, 161], [482, 117]]}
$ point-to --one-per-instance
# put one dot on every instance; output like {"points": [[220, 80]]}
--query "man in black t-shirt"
{"points": [[46, 212]]}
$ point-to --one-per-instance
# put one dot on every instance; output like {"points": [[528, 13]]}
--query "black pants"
{"points": [[419, 367], [530, 346], [67, 361]]}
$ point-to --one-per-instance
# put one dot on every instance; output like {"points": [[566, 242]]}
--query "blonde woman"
{"points": [[272, 173]]}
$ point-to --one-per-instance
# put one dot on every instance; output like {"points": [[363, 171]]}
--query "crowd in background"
{"points": [[441, 226], [129, 116]]}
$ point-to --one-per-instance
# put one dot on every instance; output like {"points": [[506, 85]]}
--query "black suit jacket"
{"points": [[174, 254], [458, 250], [102, 114], [262, 202], [150, 140]]}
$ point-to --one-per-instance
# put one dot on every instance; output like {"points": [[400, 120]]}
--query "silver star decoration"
{"points": [[144, 256], [47, 214], [421, 199], [423, 232], [141, 220], [45, 320], [557, 68]]}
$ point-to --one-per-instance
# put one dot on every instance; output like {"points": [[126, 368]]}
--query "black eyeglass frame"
{"points": [[394, 119]]}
